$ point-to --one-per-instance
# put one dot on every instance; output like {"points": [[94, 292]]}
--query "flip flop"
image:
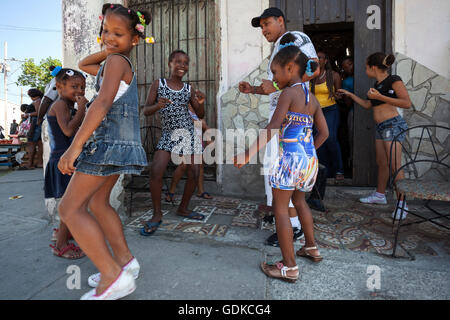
{"points": [[204, 194], [170, 195], [194, 216], [150, 225]]}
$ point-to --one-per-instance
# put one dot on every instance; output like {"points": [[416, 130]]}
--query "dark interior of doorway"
{"points": [[336, 39]]}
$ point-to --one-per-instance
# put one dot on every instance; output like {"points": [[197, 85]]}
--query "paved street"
{"points": [[219, 258]]}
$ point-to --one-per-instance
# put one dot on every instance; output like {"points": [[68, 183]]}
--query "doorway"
{"points": [[336, 40]]}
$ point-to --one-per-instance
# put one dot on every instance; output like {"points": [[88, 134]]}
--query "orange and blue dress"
{"points": [[297, 164]]}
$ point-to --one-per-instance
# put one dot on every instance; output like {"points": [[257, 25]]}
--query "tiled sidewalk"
{"points": [[347, 225]]}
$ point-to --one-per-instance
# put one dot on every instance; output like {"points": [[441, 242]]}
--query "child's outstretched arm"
{"points": [[366, 104], [115, 69], [69, 125], [91, 64], [153, 104], [320, 123], [198, 102], [272, 128]]}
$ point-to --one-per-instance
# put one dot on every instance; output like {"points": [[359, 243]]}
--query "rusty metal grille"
{"points": [[188, 25]]}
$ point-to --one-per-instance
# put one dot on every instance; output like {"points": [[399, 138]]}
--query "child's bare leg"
{"points": [[200, 186], [159, 166], [177, 175], [306, 219], [31, 151], [189, 188], [397, 160], [383, 166], [85, 228], [110, 222], [283, 225], [62, 235]]}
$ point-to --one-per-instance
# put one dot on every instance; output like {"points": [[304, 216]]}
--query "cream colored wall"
{"points": [[421, 32], [241, 47]]}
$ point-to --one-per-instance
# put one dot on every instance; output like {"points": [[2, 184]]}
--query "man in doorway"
{"points": [[273, 26]]}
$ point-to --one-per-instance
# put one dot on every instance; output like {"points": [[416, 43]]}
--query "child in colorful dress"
{"points": [[63, 122], [170, 98], [296, 169], [388, 93], [112, 126]]}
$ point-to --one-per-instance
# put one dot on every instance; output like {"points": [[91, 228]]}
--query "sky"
{"points": [[41, 15]]}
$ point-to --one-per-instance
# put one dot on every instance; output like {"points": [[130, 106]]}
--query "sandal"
{"points": [[279, 271], [204, 195], [303, 252], [193, 215], [149, 226], [55, 235], [170, 196], [77, 253]]}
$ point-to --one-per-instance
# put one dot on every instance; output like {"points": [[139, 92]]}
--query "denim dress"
{"points": [[115, 146]]}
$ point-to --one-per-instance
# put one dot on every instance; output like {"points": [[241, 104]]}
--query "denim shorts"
{"points": [[389, 129], [107, 170]]}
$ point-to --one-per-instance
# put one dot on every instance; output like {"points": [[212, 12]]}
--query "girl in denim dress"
{"points": [[387, 94], [107, 144]]}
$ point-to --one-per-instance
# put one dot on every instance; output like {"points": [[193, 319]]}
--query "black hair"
{"points": [[380, 60], [51, 68], [174, 53], [33, 93], [293, 53], [130, 14], [24, 107], [347, 58], [328, 76], [66, 73]]}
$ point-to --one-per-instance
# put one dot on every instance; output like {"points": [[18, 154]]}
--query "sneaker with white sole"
{"points": [[400, 215], [373, 199], [121, 287], [132, 267]]}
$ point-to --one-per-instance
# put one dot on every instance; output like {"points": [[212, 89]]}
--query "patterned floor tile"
{"points": [[226, 212], [248, 206], [246, 218], [205, 210], [137, 223]]}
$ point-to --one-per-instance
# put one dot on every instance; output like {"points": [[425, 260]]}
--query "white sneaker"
{"points": [[121, 287], [132, 267], [373, 199], [400, 215]]}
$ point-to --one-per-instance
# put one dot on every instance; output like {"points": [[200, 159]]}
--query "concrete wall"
{"points": [[421, 32], [241, 50], [430, 96]]}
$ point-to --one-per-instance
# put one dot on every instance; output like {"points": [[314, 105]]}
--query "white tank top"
{"points": [[123, 87]]}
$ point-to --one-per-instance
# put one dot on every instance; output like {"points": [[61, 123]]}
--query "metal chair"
{"points": [[426, 190]]}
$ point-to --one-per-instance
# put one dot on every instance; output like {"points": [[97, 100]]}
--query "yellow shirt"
{"points": [[322, 94]]}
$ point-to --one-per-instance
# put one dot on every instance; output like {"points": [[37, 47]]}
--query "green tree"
{"points": [[37, 76]]}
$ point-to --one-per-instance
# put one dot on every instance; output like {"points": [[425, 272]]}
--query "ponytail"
{"points": [[380, 60]]}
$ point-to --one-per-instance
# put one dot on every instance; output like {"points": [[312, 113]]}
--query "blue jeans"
{"points": [[330, 152]]}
